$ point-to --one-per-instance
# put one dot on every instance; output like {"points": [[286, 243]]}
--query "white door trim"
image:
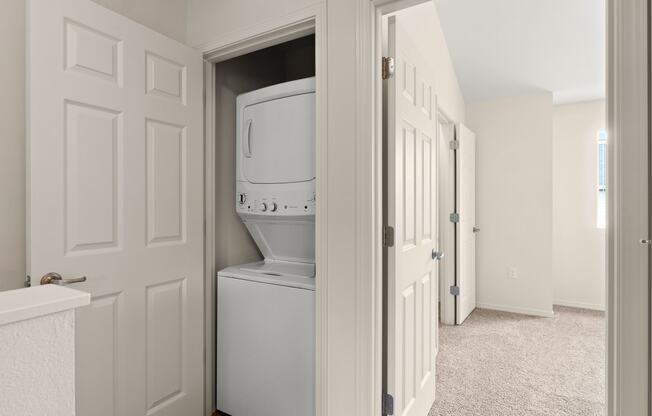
{"points": [[369, 203], [628, 288], [447, 301], [210, 271], [307, 21]]}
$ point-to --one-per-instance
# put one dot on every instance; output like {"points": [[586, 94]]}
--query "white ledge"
{"points": [[32, 302]]}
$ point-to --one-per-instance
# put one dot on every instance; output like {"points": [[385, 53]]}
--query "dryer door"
{"points": [[278, 140]]}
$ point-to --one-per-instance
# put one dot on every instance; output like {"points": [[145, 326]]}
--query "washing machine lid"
{"points": [[280, 268], [298, 275], [283, 240]]}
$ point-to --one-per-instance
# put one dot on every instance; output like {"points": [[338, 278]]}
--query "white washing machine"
{"points": [[265, 362]]}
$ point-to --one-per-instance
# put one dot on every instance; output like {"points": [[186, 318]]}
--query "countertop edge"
{"points": [[33, 302]]}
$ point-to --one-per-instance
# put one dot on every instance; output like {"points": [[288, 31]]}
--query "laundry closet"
{"points": [[264, 236]]}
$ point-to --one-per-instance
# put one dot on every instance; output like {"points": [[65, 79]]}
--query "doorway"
{"points": [[285, 55], [264, 230], [481, 119]]}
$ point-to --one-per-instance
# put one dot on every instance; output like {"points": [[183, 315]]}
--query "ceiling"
{"points": [[514, 47]]}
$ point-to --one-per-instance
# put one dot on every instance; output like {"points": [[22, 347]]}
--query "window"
{"points": [[602, 179]]}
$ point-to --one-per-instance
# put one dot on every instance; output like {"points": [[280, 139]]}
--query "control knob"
{"points": [[273, 207], [263, 207]]}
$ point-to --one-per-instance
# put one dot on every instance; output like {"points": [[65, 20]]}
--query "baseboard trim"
{"points": [[511, 309], [580, 305]]}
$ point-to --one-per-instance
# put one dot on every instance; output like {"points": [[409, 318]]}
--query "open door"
{"points": [[412, 212], [446, 204], [116, 195], [466, 227]]}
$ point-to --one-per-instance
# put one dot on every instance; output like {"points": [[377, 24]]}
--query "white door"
{"points": [[465, 156], [412, 211], [115, 194], [446, 189]]}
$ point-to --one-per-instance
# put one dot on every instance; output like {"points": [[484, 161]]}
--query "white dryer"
{"points": [[265, 362]]}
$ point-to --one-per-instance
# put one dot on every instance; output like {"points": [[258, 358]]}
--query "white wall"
{"points": [[12, 140], [424, 27], [579, 251], [345, 341], [211, 21], [165, 16], [37, 366], [514, 202]]}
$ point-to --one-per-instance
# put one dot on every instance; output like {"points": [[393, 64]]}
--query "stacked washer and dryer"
{"points": [[266, 310]]}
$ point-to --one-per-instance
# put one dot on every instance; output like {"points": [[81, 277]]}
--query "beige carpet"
{"points": [[503, 364]]}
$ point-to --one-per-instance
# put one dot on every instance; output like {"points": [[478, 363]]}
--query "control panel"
{"points": [[290, 203]]}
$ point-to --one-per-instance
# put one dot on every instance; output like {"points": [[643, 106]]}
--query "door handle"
{"points": [[53, 278], [437, 255]]}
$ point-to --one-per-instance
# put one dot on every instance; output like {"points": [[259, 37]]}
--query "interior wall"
{"points": [[281, 63], [344, 334], [12, 135], [514, 202], [211, 21], [424, 27], [579, 247], [165, 16], [37, 363]]}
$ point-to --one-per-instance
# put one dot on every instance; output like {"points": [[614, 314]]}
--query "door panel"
{"points": [[116, 194], [412, 211], [166, 183], [165, 342], [92, 185], [166, 78], [466, 273]]}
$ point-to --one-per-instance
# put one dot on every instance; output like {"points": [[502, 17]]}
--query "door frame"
{"points": [[446, 299], [308, 21], [628, 261]]}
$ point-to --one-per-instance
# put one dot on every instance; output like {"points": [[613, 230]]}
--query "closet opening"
{"points": [[263, 230]]}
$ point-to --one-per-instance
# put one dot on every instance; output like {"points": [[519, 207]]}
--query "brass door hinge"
{"points": [[387, 67]]}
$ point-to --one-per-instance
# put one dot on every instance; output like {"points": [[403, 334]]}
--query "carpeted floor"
{"points": [[503, 364]]}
